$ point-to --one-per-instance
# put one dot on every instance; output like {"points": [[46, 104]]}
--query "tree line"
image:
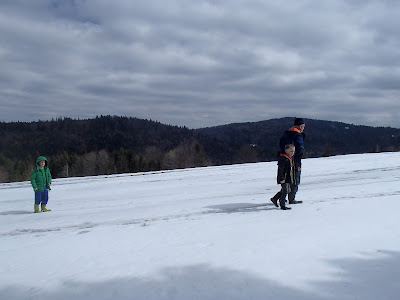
{"points": [[112, 144]]}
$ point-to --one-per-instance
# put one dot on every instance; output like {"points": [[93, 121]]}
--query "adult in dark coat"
{"points": [[295, 136]]}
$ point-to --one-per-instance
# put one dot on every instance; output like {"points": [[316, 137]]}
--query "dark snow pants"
{"points": [[41, 197], [281, 195], [286, 189]]}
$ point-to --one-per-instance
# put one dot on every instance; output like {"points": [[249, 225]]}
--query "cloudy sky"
{"points": [[201, 63]]}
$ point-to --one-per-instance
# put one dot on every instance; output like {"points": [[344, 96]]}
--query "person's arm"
{"points": [[299, 144], [33, 180], [281, 171], [49, 177]]}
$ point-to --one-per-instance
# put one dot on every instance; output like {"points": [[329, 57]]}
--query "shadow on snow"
{"points": [[16, 212], [367, 279], [241, 207]]}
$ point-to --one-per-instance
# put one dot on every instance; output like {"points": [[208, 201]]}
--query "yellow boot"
{"points": [[44, 208], [37, 208]]}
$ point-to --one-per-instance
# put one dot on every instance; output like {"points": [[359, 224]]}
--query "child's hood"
{"points": [[40, 158]]}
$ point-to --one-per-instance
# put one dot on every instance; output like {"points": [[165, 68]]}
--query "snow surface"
{"points": [[208, 233]]}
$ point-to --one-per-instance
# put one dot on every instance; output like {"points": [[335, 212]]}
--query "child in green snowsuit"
{"points": [[41, 181]]}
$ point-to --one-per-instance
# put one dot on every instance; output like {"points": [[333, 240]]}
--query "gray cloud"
{"points": [[200, 63]]}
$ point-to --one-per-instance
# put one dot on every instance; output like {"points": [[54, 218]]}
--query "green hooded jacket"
{"points": [[40, 178]]}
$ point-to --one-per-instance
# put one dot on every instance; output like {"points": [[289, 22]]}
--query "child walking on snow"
{"points": [[285, 176], [41, 181]]}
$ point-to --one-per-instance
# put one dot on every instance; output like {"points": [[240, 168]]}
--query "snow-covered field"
{"points": [[208, 233]]}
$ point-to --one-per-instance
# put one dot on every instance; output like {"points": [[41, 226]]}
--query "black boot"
{"points": [[285, 208], [275, 198], [295, 202]]}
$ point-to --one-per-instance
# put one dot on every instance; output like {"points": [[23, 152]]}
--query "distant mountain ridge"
{"points": [[113, 144], [323, 138]]}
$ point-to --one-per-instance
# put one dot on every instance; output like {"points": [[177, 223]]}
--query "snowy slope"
{"points": [[205, 233]]}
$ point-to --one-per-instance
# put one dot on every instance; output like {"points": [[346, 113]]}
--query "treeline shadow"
{"points": [[367, 279]]}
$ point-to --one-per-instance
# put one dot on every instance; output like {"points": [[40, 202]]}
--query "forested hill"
{"points": [[108, 133], [104, 145], [323, 138], [112, 144]]}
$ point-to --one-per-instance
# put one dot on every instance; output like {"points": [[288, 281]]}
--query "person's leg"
{"points": [[295, 187], [292, 194], [45, 199], [45, 196], [38, 197], [285, 191], [275, 198]]}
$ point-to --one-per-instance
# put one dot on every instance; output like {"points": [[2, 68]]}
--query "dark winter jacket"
{"points": [[41, 178], [285, 169], [293, 136]]}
